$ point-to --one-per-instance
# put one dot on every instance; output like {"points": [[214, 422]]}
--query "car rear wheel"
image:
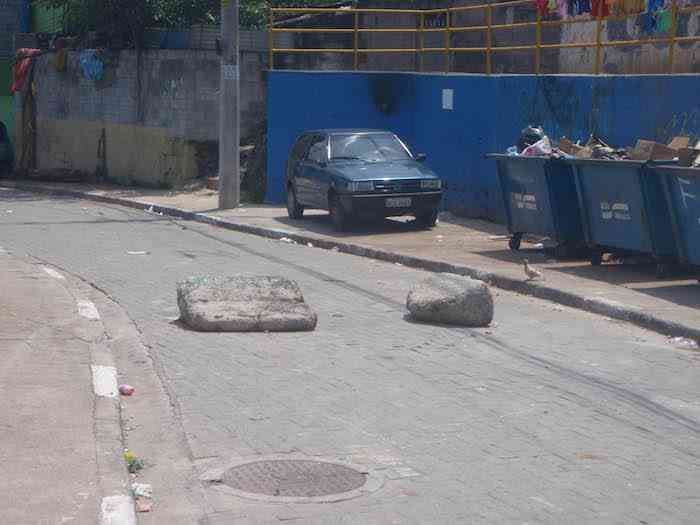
{"points": [[427, 220], [5, 169], [294, 209], [338, 215]]}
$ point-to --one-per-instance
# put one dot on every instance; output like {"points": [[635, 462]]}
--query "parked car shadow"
{"points": [[321, 224], [683, 294], [480, 225]]}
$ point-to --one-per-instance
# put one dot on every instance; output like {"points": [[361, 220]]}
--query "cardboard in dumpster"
{"points": [[679, 143], [569, 147], [650, 150]]}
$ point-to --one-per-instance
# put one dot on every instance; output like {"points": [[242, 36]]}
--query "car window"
{"points": [[318, 152], [371, 147]]}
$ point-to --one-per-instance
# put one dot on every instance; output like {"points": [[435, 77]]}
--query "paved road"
{"points": [[551, 415]]}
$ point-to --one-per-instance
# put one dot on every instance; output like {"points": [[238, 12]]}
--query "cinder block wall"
{"points": [[152, 122]]}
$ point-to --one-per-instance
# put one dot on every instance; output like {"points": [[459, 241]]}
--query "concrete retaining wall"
{"points": [[152, 123], [488, 114]]}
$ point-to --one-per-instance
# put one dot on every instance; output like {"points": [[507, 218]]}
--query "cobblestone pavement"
{"points": [[550, 416]]}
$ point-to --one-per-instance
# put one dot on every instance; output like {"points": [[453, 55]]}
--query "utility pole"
{"points": [[229, 118]]}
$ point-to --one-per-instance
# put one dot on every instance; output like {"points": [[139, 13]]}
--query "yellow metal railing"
{"points": [[448, 50]]}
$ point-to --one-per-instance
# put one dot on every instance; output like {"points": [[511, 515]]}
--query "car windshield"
{"points": [[371, 147]]}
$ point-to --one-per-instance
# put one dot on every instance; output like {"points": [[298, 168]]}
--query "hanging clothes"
{"points": [[552, 6], [600, 8], [632, 7], [647, 22], [563, 9], [23, 66], [92, 66], [542, 7], [614, 7], [584, 6], [663, 21], [654, 5]]}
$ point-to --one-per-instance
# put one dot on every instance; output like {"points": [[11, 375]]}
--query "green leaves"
{"points": [[132, 17]]}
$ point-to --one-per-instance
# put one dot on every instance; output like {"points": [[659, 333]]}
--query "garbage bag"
{"points": [[529, 136]]}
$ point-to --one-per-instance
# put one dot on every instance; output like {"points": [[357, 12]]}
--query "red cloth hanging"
{"points": [[22, 68], [542, 6], [600, 5]]}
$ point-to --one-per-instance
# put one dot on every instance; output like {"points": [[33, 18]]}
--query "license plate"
{"points": [[398, 202]]}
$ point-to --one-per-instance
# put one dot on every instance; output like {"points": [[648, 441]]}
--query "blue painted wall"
{"points": [[488, 114]]}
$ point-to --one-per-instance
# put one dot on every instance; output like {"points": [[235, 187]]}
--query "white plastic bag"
{"points": [[541, 148]]}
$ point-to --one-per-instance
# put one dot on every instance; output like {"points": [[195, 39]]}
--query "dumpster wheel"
{"points": [[514, 242], [663, 270], [596, 258]]}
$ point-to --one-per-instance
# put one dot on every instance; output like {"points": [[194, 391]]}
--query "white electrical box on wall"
{"points": [[448, 99]]}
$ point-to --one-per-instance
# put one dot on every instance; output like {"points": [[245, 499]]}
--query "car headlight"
{"points": [[360, 186], [431, 184]]}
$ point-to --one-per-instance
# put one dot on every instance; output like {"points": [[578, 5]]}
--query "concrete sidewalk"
{"points": [[60, 433], [627, 292]]}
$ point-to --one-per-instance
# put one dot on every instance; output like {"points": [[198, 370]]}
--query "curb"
{"points": [[534, 289], [117, 505]]}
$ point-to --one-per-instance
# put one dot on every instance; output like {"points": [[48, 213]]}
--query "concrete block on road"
{"points": [[244, 304], [451, 299]]}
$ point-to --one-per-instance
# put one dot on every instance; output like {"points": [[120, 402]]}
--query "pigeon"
{"points": [[531, 272]]}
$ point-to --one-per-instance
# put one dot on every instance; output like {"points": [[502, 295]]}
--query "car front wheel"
{"points": [[294, 209], [338, 215], [427, 220]]}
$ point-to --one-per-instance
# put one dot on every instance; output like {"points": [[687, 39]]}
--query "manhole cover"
{"points": [[294, 478]]}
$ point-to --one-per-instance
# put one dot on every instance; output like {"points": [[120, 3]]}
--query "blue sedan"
{"points": [[360, 174]]}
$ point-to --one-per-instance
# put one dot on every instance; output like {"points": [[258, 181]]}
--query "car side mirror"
{"points": [[421, 157]]}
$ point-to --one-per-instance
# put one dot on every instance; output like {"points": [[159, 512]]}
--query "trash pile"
{"points": [[595, 148], [534, 142]]}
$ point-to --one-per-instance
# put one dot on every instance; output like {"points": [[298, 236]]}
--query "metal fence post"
{"points": [[356, 41], [674, 31], [447, 41], [598, 40], [538, 42], [271, 41], [421, 42], [489, 15]]}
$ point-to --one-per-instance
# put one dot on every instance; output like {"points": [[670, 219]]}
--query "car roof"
{"points": [[347, 131]]}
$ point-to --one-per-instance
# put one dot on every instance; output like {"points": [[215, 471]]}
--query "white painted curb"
{"points": [[117, 510], [104, 381], [53, 273], [88, 310]]}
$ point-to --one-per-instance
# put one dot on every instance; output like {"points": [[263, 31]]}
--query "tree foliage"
{"points": [[126, 20]]}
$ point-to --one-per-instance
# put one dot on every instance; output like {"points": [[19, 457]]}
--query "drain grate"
{"points": [[295, 478]]}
